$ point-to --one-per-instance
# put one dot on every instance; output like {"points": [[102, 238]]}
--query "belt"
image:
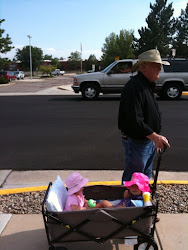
{"points": [[126, 137]]}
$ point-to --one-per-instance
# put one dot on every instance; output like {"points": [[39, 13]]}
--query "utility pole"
{"points": [[81, 55], [30, 55]]}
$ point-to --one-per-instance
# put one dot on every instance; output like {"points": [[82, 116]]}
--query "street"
{"points": [[65, 132]]}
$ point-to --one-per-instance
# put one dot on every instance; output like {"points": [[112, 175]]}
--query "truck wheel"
{"points": [[90, 92], [172, 91]]}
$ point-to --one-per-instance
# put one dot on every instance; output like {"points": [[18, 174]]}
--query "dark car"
{"points": [[9, 75]]}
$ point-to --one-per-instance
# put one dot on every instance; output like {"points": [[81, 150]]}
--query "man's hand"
{"points": [[159, 140]]}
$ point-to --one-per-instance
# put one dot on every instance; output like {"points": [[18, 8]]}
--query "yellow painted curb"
{"points": [[173, 182], [42, 188], [22, 190]]}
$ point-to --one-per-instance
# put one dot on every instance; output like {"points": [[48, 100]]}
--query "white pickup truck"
{"points": [[172, 81], [57, 72]]}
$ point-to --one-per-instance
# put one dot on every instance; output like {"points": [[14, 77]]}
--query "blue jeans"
{"points": [[139, 157]]}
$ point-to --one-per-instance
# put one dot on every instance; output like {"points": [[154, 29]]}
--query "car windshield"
{"points": [[107, 68]]}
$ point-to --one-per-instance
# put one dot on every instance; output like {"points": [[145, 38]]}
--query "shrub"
{"points": [[46, 69], [3, 80]]}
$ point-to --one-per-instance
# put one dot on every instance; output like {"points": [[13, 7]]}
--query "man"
{"points": [[139, 116]]}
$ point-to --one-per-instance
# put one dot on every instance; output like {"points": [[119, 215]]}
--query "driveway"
{"points": [[29, 86]]}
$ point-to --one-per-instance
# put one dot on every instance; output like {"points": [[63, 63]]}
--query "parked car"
{"points": [[91, 71], [58, 72], [173, 79], [19, 75], [9, 75]]}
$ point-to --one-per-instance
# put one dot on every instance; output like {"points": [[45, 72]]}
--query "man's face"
{"points": [[151, 70]]}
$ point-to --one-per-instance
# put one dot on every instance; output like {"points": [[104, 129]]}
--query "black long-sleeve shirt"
{"points": [[139, 114]]}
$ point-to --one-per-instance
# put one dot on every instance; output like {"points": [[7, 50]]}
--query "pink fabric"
{"points": [[74, 200], [75, 182], [141, 180]]}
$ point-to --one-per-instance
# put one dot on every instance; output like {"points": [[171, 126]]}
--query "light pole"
{"points": [[30, 55], [81, 55]]}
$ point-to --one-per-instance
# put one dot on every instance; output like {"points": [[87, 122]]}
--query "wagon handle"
{"points": [[160, 153]]}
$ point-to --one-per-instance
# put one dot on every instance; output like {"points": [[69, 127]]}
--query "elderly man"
{"points": [[139, 116]]}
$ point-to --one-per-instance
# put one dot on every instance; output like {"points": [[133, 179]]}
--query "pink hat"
{"points": [[75, 182], [141, 180]]}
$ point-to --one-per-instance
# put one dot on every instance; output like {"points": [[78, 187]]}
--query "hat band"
{"points": [[75, 185]]}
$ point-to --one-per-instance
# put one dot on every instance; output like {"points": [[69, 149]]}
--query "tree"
{"points": [[160, 30], [117, 45], [5, 46], [91, 60], [46, 69], [75, 60], [23, 56], [4, 63], [47, 57], [5, 42], [55, 62], [180, 42]]}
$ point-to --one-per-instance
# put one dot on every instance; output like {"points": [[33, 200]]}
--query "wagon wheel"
{"points": [[143, 245]]}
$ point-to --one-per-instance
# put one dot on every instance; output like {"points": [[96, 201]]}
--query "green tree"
{"points": [[5, 46], [160, 30], [23, 56], [55, 62], [117, 45], [46, 69], [4, 63], [75, 60], [47, 57], [91, 60], [180, 42], [5, 42]]}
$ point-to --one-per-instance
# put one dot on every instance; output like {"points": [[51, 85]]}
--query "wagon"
{"points": [[102, 224]]}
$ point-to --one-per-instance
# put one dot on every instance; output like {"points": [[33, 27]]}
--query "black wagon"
{"points": [[100, 225]]}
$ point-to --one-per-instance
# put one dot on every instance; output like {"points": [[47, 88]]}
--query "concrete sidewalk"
{"points": [[27, 231]]}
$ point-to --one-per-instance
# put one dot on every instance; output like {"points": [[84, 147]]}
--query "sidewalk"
{"points": [[27, 231]]}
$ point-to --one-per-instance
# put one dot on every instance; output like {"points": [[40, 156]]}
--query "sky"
{"points": [[60, 27]]}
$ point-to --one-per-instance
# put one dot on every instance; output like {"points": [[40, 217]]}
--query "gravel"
{"points": [[172, 199]]}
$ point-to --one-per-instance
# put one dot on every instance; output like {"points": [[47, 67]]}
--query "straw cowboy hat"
{"points": [[152, 55]]}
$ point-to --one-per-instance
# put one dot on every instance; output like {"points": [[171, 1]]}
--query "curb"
{"points": [[42, 188]]}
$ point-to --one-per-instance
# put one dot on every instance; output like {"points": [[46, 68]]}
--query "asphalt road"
{"points": [[65, 132]]}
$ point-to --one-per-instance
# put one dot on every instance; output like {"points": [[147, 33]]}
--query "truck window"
{"points": [[177, 66], [122, 67]]}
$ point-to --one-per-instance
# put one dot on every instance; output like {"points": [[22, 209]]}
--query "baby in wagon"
{"points": [[76, 201], [138, 185]]}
